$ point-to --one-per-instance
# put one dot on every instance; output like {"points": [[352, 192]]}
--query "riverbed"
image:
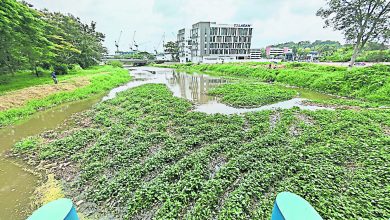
{"points": [[17, 183]]}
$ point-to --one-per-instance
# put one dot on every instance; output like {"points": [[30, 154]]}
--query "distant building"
{"points": [[184, 43], [118, 53], [275, 52], [313, 56], [217, 43], [163, 57], [255, 53]]}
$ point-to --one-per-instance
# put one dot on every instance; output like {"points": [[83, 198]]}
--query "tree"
{"points": [[375, 46], [173, 49], [30, 39], [263, 53], [359, 20], [75, 42], [23, 44]]}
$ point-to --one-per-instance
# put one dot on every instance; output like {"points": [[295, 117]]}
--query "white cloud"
{"points": [[274, 21], [293, 21]]}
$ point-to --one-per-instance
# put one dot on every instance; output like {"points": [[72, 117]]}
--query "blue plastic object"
{"points": [[289, 206], [60, 209]]}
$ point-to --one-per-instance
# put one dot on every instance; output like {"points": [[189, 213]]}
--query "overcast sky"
{"points": [[274, 21]]}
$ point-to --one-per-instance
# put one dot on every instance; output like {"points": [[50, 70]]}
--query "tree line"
{"points": [[38, 39], [336, 52]]}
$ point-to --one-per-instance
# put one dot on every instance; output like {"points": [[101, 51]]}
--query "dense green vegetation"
{"points": [[302, 48], [251, 94], [144, 154], [344, 55], [369, 83], [101, 79], [37, 40], [335, 52]]}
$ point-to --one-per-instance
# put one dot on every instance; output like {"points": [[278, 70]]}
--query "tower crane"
{"points": [[117, 42], [133, 43], [159, 43]]}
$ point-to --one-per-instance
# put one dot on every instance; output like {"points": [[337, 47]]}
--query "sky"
{"points": [[274, 21]]}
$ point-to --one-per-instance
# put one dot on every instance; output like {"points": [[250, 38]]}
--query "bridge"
{"points": [[135, 62]]}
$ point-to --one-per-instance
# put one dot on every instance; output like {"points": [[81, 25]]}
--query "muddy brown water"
{"points": [[17, 185]]}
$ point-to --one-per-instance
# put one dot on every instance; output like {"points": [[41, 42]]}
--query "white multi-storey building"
{"points": [[218, 43], [255, 54], [184, 43], [275, 52]]}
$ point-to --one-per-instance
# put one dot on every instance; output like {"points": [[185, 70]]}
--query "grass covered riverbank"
{"points": [[23, 96], [369, 84], [145, 155]]}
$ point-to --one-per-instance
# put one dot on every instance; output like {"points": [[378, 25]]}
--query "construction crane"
{"points": [[117, 42], [133, 43], [159, 43]]}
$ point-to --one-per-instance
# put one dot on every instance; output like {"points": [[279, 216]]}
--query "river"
{"points": [[17, 184]]}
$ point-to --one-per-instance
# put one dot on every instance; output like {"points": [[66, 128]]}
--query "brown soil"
{"points": [[386, 130], [216, 164], [295, 130], [274, 119], [305, 118], [20, 97]]}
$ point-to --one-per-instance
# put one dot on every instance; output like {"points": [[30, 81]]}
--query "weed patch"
{"points": [[145, 154], [251, 94]]}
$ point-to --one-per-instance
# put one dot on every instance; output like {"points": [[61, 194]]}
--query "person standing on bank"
{"points": [[54, 77]]}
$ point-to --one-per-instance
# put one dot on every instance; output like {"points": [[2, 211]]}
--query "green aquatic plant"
{"points": [[147, 155], [251, 94]]}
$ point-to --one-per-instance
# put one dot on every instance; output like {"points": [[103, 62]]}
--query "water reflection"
{"points": [[215, 107], [195, 87]]}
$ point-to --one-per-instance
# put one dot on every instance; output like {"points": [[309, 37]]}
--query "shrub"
{"points": [[27, 144], [61, 69], [116, 63], [74, 67], [45, 65], [4, 80]]}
